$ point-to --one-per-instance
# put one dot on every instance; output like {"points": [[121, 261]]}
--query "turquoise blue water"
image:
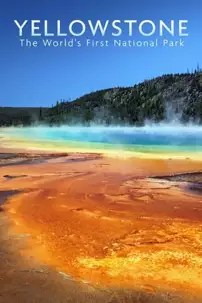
{"points": [[147, 139]]}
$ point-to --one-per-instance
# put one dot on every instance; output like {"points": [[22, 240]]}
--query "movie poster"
{"points": [[100, 151]]}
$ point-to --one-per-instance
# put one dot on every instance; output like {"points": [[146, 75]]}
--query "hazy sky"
{"points": [[38, 77]]}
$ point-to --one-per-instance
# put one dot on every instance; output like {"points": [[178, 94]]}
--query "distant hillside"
{"points": [[21, 115], [169, 97], [165, 98]]}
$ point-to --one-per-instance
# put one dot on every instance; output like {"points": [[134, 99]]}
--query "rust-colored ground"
{"points": [[107, 222]]}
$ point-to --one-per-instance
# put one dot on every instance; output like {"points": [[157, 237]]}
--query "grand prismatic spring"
{"points": [[114, 207], [156, 139]]}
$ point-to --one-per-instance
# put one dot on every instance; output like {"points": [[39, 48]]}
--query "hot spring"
{"points": [[150, 140]]}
